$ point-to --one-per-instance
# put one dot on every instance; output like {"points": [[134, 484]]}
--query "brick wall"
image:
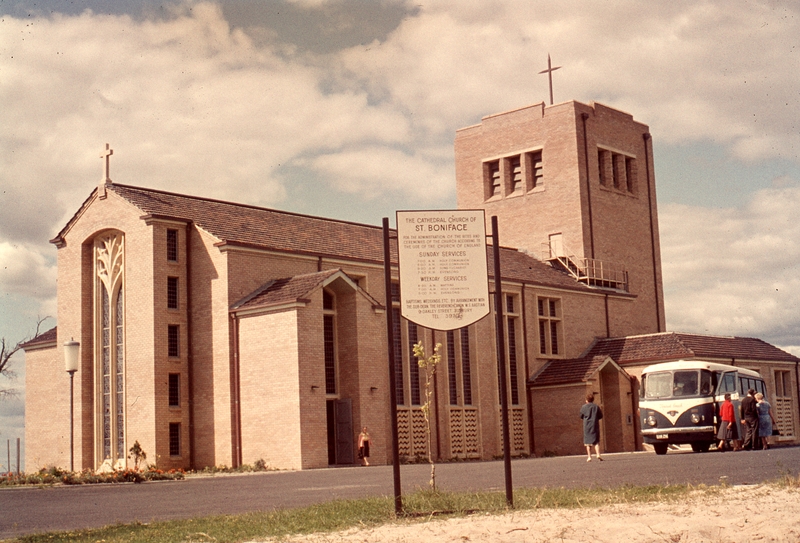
{"points": [[613, 225], [47, 409], [270, 389]]}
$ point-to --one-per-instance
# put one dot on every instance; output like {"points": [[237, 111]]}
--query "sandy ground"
{"points": [[738, 514]]}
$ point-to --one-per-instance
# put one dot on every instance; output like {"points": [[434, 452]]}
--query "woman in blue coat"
{"points": [[591, 415], [765, 420]]}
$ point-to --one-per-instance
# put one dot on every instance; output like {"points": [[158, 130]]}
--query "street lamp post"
{"points": [[71, 363]]}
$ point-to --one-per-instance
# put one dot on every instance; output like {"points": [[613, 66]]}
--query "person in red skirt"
{"points": [[727, 425]]}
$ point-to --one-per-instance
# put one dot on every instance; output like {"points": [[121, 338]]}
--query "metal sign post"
{"points": [[387, 271], [501, 360]]}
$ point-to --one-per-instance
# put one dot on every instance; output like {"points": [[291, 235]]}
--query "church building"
{"points": [[216, 333]]}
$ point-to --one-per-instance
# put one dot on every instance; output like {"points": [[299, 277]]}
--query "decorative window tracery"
{"points": [[110, 349]]}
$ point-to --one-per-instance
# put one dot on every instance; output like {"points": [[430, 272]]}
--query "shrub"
{"points": [[51, 476]]}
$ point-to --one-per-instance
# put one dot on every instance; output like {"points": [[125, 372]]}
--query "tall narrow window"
{"points": [[511, 333], [630, 174], [466, 375], [110, 350], [173, 340], [413, 365], [397, 327], [534, 164], [172, 293], [399, 385], [172, 245], [549, 310], [174, 389], [603, 158], [106, 309], [174, 438], [329, 340], [542, 337], [617, 169], [493, 181], [119, 363], [515, 169], [512, 360], [554, 337], [452, 374]]}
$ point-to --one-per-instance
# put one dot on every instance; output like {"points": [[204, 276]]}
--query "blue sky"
{"points": [[348, 109]]}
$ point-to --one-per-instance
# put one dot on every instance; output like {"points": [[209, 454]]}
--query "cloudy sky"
{"points": [[348, 108]]}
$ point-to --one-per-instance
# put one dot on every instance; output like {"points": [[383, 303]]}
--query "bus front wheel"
{"points": [[661, 448]]}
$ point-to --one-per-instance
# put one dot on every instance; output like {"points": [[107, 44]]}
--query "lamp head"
{"points": [[72, 351]]}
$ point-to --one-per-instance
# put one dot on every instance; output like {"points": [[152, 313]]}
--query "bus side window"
{"points": [[728, 383]]}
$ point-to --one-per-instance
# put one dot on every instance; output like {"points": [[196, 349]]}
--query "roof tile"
{"points": [[287, 290], [252, 226], [654, 348]]}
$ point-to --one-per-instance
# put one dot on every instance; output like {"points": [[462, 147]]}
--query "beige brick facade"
{"points": [[273, 346]]}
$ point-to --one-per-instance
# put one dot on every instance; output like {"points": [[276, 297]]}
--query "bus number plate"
{"points": [[662, 436]]}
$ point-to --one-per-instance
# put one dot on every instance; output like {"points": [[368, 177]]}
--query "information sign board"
{"points": [[444, 281]]}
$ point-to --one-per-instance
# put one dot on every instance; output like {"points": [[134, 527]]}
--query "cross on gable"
{"points": [[549, 71], [106, 153], [106, 180]]}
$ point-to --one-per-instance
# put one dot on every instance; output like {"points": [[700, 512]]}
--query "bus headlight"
{"points": [[695, 418], [651, 420]]}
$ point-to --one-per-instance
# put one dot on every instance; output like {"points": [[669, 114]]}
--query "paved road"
{"points": [[30, 510]]}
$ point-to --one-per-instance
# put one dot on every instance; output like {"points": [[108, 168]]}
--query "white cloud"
{"points": [[735, 270], [188, 104], [25, 271], [374, 171], [693, 71]]}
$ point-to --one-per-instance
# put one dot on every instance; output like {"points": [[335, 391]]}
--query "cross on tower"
{"points": [[549, 71], [106, 153]]}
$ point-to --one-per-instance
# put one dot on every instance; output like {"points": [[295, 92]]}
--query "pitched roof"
{"points": [[283, 291], [675, 345], [269, 229], [50, 336], [662, 347], [561, 372], [245, 225]]}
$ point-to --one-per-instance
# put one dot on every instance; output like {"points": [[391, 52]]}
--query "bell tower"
{"points": [[572, 184]]}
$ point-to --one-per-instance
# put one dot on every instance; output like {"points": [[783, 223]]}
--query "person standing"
{"points": [[727, 425], [750, 421], [591, 415], [765, 420], [363, 446]]}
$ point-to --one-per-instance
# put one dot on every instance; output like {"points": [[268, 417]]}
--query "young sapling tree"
{"points": [[428, 363]]}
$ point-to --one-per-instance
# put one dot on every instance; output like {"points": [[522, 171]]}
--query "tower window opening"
{"points": [[515, 167], [630, 174], [617, 171], [492, 173]]}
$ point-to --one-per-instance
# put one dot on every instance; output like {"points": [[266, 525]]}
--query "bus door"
{"points": [[728, 385]]}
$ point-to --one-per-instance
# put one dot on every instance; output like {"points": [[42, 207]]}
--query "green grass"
{"points": [[343, 514]]}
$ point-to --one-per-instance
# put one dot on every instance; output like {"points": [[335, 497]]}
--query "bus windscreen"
{"points": [[679, 383]]}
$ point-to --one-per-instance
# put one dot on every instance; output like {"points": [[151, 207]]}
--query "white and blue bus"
{"points": [[679, 401]]}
